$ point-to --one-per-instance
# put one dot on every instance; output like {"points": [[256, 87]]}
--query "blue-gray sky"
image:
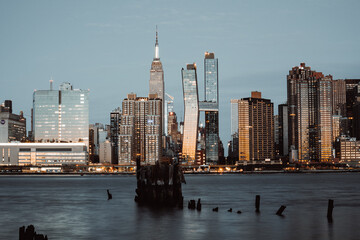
{"points": [[108, 46]]}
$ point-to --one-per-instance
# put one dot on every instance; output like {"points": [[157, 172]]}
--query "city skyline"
{"points": [[107, 48]]}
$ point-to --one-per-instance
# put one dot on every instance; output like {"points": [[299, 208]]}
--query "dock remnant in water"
{"points": [[159, 184], [30, 234]]}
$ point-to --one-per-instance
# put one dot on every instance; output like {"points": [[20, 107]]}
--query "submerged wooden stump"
{"points": [[159, 184]]}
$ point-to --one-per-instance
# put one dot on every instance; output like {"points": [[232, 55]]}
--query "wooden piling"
{"points": [[257, 203], [280, 211], [330, 209]]}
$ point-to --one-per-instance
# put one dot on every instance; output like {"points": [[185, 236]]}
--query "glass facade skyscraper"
{"points": [[211, 117], [61, 116], [191, 113]]}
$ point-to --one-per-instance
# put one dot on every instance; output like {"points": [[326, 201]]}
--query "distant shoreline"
{"points": [[186, 173]]}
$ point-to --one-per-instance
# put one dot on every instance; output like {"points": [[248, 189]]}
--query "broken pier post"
{"points": [[280, 211], [257, 203], [330, 209]]}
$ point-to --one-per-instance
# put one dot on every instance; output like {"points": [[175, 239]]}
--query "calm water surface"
{"points": [[75, 207]]}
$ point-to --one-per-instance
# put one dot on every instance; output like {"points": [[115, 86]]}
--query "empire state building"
{"points": [[156, 84]]}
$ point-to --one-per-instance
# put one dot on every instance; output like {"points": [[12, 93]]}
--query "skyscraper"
{"points": [[211, 115], [140, 129], [61, 115], [283, 130], [191, 113], [115, 119], [256, 128], [310, 114], [156, 83]]}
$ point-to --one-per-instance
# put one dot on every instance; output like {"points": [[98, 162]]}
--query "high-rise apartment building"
{"points": [[140, 129], [12, 126], [310, 114], [256, 128], [61, 115], [156, 83], [211, 115], [191, 113]]}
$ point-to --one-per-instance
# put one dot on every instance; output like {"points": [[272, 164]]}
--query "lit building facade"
{"points": [[348, 150], [211, 116], [256, 128], [310, 114], [140, 129], [61, 115], [43, 153], [191, 113]]}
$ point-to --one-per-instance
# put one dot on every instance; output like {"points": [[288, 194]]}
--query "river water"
{"points": [[76, 207]]}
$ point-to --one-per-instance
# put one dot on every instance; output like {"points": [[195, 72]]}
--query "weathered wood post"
{"points": [[330, 209], [280, 211], [257, 203]]}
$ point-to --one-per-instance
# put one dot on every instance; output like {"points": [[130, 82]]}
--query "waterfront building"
{"points": [[140, 129], [191, 113], [12, 126], [115, 119], [61, 115], [348, 150], [256, 128], [310, 114], [43, 154], [212, 113], [156, 83], [105, 152]]}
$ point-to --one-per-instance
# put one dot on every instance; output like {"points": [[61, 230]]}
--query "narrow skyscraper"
{"points": [[156, 83], [191, 113], [211, 115]]}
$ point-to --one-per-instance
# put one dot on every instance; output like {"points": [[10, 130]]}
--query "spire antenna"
{"points": [[157, 45]]}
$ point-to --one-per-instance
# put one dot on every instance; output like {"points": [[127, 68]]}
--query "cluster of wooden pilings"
{"points": [[30, 234], [159, 184], [279, 212]]}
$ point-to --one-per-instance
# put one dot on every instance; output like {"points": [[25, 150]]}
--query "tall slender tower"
{"points": [[191, 113], [156, 84], [211, 116]]}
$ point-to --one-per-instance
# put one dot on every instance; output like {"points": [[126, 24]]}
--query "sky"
{"points": [[108, 46]]}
